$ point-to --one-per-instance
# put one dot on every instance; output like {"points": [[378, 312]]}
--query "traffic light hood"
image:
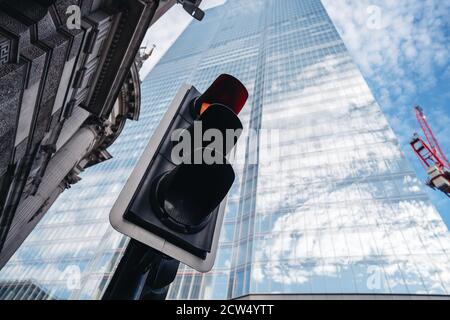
{"points": [[225, 90]]}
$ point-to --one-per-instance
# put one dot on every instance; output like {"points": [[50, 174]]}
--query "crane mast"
{"points": [[431, 155]]}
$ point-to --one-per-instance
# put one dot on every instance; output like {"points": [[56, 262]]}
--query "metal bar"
{"points": [[142, 274], [429, 135]]}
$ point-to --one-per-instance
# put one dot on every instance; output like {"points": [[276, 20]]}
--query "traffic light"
{"points": [[174, 199], [192, 7]]}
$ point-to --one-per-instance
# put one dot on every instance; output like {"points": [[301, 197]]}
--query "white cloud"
{"points": [[402, 54], [402, 48], [409, 36]]}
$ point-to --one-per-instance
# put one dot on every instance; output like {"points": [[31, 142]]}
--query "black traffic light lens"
{"points": [[226, 122], [220, 117], [187, 195]]}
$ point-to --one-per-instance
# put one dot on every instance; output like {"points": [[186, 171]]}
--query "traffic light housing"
{"points": [[174, 199], [192, 7]]}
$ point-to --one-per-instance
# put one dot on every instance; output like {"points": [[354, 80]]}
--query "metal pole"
{"points": [[142, 274]]}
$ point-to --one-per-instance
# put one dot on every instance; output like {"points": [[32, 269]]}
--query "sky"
{"points": [[166, 30], [402, 48]]}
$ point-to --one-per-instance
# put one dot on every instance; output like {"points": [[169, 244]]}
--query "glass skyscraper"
{"points": [[324, 202]]}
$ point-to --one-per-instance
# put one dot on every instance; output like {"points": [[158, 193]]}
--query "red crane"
{"points": [[431, 155]]}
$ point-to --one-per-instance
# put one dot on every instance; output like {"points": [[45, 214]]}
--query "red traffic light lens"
{"points": [[225, 90]]}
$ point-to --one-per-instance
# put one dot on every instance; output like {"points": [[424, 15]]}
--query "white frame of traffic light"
{"points": [[134, 231]]}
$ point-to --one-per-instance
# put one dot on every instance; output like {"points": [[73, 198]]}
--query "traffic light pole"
{"points": [[142, 274]]}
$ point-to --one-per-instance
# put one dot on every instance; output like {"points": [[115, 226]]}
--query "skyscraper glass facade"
{"points": [[323, 202]]}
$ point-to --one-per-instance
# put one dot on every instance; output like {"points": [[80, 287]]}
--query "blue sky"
{"points": [[403, 50]]}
